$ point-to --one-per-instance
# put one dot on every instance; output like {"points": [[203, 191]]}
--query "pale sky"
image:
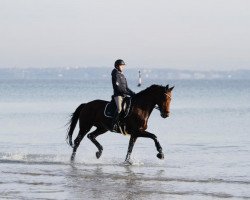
{"points": [[178, 34]]}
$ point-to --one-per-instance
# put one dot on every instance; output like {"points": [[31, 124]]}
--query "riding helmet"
{"points": [[119, 62]]}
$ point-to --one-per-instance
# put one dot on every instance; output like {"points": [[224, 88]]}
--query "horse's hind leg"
{"points": [[77, 142], [92, 136]]}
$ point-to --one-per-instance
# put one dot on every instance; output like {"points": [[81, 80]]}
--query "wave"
{"points": [[22, 158], [39, 159], [60, 167], [52, 159], [121, 176]]}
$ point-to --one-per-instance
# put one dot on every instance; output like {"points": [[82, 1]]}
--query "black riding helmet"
{"points": [[119, 62]]}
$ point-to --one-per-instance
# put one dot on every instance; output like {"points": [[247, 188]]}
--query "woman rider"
{"points": [[120, 87]]}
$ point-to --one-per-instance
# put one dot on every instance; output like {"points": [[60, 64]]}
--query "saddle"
{"points": [[111, 109]]}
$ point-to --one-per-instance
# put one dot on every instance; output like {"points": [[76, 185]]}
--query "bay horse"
{"points": [[142, 104]]}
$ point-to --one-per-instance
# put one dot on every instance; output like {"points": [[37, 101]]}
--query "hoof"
{"points": [[160, 156], [73, 157], [98, 154], [128, 162]]}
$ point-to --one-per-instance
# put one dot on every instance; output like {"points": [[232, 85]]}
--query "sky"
{"points": [[177, 34]]}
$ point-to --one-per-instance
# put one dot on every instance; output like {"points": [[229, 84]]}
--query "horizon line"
{"points": [[128, 68]]}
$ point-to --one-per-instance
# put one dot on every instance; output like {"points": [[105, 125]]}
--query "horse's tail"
{"points": [[72, 123]]}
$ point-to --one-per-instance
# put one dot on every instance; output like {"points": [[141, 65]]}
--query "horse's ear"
{"points": [[167, 87], [171, 88]]}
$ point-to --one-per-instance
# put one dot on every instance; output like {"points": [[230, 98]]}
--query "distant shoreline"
{"points": [[104, 73]]}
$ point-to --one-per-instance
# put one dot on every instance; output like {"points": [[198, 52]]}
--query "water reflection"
{"points": [[108, 182]]}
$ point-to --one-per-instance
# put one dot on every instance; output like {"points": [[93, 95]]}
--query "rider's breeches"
{"points": [[118, 101]]}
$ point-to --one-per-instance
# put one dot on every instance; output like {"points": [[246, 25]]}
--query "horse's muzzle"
{"points": [[164, 115]]}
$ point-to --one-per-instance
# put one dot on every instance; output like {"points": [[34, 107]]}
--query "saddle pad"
{"points": [[110, 108]]}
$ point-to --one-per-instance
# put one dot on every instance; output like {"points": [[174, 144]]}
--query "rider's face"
{"points": [[121, 67]]}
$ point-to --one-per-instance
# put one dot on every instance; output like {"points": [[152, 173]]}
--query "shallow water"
{"points": [[206, 144]]}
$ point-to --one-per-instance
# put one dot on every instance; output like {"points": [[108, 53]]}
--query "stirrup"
{"points": [[114, 128]]}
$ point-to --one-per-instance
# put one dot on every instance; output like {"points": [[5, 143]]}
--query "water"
{"points": [[206, 142]]}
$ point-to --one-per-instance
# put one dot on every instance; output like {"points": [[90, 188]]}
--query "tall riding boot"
{"points": [[115, 120]]}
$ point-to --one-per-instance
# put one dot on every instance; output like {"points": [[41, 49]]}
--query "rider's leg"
{"points": [[118, 102]]}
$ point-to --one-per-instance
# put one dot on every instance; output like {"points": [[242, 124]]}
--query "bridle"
{"points": [[168, 95], [157, 107]]}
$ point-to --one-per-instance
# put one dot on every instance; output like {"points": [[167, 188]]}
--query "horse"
{"points": [[142, 104]]}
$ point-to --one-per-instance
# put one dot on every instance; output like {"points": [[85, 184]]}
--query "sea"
{"points": [[206, 142]]}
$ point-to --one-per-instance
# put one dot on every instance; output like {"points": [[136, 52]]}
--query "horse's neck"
{"points": [[146, 103], [147, 99]]}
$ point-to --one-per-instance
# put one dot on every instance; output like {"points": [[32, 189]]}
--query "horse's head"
{"points": [[164, 103]]}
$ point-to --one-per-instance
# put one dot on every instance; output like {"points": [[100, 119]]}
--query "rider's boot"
{"points": [[115, 121]]}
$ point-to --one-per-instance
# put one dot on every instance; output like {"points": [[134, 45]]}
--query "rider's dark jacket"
{"points": [[120, 85]]}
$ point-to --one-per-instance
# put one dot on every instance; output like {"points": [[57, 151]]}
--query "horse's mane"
{"points": [[149, 89]]}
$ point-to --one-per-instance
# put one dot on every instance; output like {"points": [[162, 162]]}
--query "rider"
{"points": [[120, 87]]}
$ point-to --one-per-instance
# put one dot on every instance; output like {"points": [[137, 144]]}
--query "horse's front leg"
{"points": [[146, 134], [130, 147]]}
